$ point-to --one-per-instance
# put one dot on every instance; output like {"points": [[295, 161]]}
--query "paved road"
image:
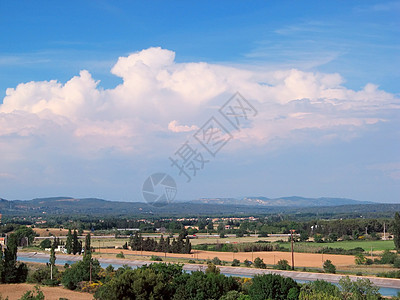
{"points": [[200, 235], [246, 272]]}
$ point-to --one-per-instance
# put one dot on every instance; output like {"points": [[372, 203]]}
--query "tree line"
{"points": [[180, 245]]}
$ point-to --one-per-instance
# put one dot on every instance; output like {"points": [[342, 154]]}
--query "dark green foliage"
{"points": [[387, 257], [270, 286], [156, 281], [181, 245], [247, 263], [259, 263], [76, 246], [69, 243], [80, 271], [235, 263], [204, 286], [329, 267], [155, 258], [396, 231], [45, 244], [329, 250], [283, 264], [37, 294], [10, 270], [304, 236], [359, 289], [216, 261]]}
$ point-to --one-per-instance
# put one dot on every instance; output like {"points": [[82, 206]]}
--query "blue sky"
{"points": [[323, 76]]}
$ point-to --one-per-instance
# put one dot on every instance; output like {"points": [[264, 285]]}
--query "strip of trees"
{"points": [[180, 245]]}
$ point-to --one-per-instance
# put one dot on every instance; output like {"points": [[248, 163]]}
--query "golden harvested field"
{"points": [[54, 231], [311, 260], [15, 291]]}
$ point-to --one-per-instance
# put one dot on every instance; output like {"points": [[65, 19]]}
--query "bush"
{"points": [[191, 261], [120, 255], [329, 267], [388, 257], [259, 263], [235, 263], [36, 294], [283, 265], [396, 263], [247, 263], [360, 259], [271, 286], [45, 244], [155, 258], [318, 238], [216, 261], [212, 269]]}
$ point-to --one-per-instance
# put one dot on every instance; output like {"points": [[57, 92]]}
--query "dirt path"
{"points": [[311, 260], [15, 291]]}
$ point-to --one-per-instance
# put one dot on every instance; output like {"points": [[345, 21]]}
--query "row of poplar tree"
{"points": [[73, 245], [180, 245]]}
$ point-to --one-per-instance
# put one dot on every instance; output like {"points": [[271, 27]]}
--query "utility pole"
{"points": [[291, 235], [51, 271], [384, 231]]}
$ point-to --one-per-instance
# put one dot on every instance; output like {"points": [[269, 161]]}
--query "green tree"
{"points": [[80, 271], [36, 294], [396, 231], [259, 263], [329, 267], [283, 264], [69, 243], [319, 290], [235, 263], [142, 283], [45, 244], [271, 286], [360, 259], [212, 268], [75, 243], [88, 247], [358, 290], [10, 270]]}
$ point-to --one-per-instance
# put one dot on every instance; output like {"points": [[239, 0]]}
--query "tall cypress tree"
{"points": [[75, 242], [396, 231], [68, 243], [88, 247]]}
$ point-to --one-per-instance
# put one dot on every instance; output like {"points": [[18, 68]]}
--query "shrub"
{"points": [[329, 267], [216, 261], [271, 286], [388, 257], [36, 294], [235, 263], [259, 263], [211, 268], [120, 255], [191, 261], [46, 243], [283, 265], [155, 258], [360, 259], [247, 263], [318, 238]]}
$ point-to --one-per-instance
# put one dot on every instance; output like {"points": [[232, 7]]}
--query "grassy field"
{"points": [[366, 245]]}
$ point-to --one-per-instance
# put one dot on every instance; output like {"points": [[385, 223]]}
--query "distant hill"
{"points": [[299, 206], [293, 201]]}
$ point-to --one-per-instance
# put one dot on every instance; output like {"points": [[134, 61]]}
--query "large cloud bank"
{"points": [[159, 100]]}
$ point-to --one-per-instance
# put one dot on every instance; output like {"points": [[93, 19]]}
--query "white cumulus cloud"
{"points": [[157, 91]]}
